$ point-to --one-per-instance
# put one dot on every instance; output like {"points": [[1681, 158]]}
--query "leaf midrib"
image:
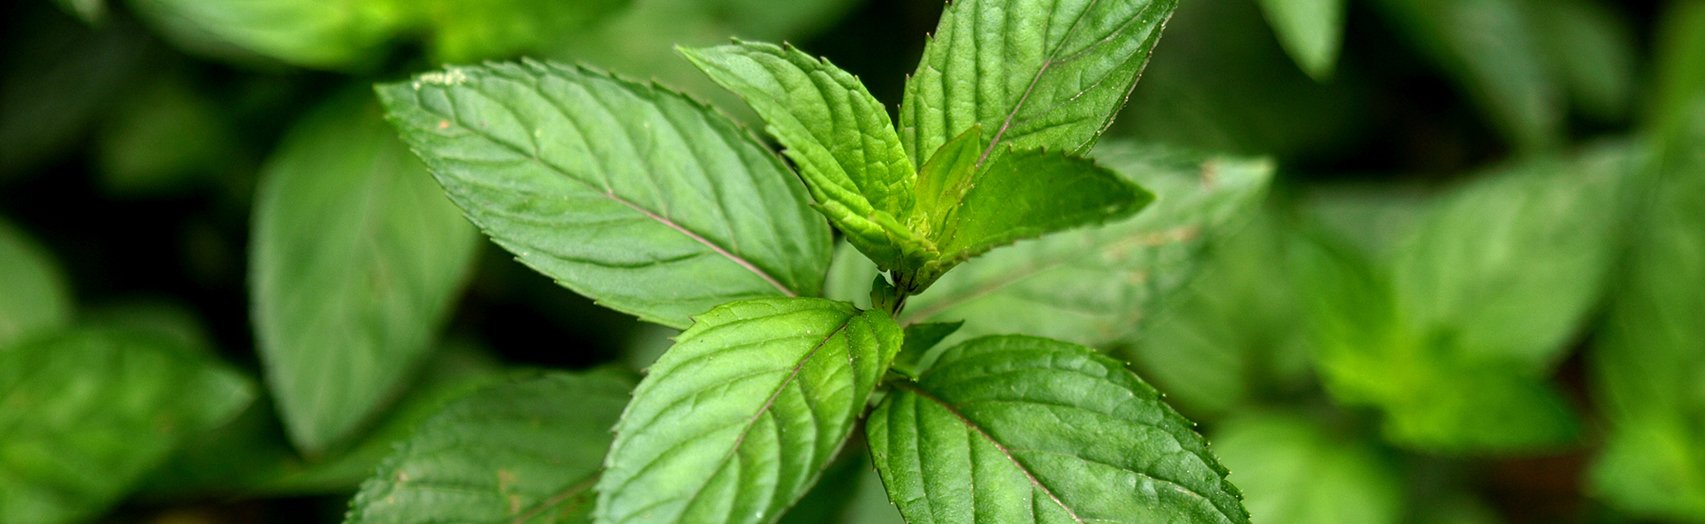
{"points": [[1047, 62], [610, 194], [752, 421], [968, 423]]}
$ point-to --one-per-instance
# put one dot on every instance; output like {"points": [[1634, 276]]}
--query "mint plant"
{"points": [[658, 206]]}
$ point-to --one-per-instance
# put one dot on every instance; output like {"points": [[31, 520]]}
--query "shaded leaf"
{"points": [[308, 33], [36, 300], [357, 259], [635, 196], [1023, 429], [738, 419], [523, 451], [84, 414]]}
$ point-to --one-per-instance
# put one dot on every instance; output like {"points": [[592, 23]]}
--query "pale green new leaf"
{"points": [[1095, 285], [524, 451], [837, 134], [1649, 361], [738, 419], [1034, 73], [84, 414], [357, 258], [1294, 472], [1309, 30], [1024, 429], [35, 300], [635, 196], [322, 34]]}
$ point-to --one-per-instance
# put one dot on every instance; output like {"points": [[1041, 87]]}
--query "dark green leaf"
{"points": [[357, 258], [1296, 473], [737, 420], [85, 414], [525, 451], [1034, 73], [1023, 429], [472, 30], [36, 300], [1592, 53], [635, 196], [1025, 194], [1310, 30]]}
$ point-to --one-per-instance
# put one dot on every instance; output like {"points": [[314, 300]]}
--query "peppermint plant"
{"points": [[659, 206]]}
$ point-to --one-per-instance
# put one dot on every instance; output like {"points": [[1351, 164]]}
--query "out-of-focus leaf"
{"points": [[1035, 74], [738, 419], [35, 300], [1310, 30], [321, 34], [90, 11], [1506, 268], [1650, 358], [1232, 334], [525, 451], [1214, 85], [1493, 52], [471, 30], [635, 196], [1592, 52], [357, 258], [252, 457], [51, 95], [83, 415], [1024, 429], [161, 138], [1093, 286], [164, 317], [1293, 472], [1680, 66], [641, 39]]}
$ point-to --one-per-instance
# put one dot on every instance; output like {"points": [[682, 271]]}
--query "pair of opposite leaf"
{"points": [[915, 217]]}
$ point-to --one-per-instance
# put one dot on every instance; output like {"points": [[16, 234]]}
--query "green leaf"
{"points": [[1094, 285], [1025, 194], [525, 451], [89, 11], [162, 138], [737, 420], [1434, 396], [850, 492], [638, 197], [1231, 338], [357, 260], [1508, 266], [1649, 361], [1024, 429], [1310, 30], [83, 415], [466, 31], [837, 134], [1592, 51], [1033, 73], [1680, 69], [36, 300], [1294, 472], [307, 33], [1507, 76]]}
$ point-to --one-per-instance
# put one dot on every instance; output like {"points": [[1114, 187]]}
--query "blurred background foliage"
{"points": [[1475, 292]]}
